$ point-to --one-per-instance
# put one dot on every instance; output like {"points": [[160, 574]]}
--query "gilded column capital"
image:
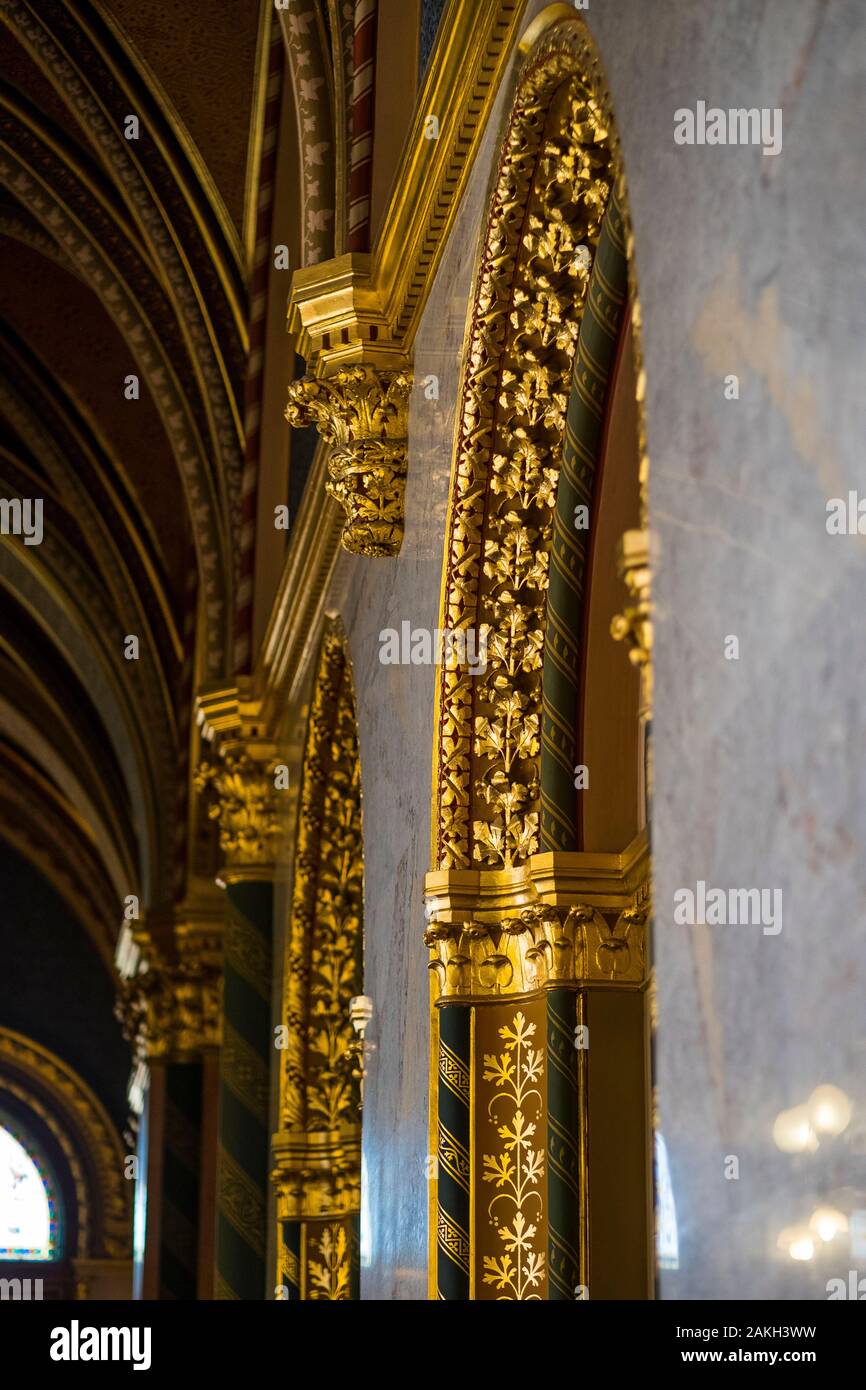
{"points": [[541, 947], [170, 1007], [244, 801], [362, 411], [317, 1173], [564, 918], [240, 778]]}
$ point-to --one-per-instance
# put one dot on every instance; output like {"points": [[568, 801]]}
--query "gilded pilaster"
{"points": [[520, 960], [316, 1153], [241, 780], [542, 945]]}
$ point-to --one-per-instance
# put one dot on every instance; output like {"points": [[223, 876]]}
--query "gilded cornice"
{"points": [[388, 289]]}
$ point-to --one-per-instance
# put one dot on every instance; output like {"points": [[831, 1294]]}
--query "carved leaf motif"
{"points": [[550, 195]]}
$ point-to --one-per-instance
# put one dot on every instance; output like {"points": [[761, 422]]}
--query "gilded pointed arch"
{"points": [[560, 163], [317, 1150], [532, 940]]}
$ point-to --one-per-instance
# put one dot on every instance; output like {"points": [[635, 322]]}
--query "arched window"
{"points": [[28, 1208]]}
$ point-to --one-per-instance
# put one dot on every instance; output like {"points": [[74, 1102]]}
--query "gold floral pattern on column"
{"points": [[517, 1074], [362, 412], [559, 162], [329, 1276]]}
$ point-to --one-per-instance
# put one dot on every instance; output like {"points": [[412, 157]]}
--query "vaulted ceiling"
{"points": [[125, 252]]}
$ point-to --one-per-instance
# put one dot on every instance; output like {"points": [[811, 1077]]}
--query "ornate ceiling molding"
{"points": [[39, 821], [101, 77], [112, 267]]}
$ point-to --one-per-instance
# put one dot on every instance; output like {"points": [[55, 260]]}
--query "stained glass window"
{"points": [[27, 1216]]}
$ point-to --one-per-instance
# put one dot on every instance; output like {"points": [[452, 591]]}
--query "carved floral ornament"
{"points": [[172, 1009], [317, 1151], [540, 947], [559, 162], [245, 803], [362, 412]]}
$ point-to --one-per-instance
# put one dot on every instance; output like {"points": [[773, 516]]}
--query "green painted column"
{"points": [[600, 328], [453, 1152], [178, 1267], [244, 1090], [563, 1146]]}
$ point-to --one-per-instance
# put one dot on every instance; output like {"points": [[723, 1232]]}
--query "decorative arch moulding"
{"points": [[558, 185], [532, 939]]}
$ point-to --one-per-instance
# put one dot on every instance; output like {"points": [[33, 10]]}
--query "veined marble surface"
{"points": [[754, 266]]}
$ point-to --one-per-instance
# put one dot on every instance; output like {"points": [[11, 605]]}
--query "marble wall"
{"points": [[753, 266]]}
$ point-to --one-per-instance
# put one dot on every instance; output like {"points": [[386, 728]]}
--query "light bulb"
{"points": [[829, 1110], [793, 1132], [827, 1222], [803, 1248], [797, 1242]]}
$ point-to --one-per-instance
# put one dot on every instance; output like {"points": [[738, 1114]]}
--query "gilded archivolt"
{"points": [[560, 158], [77, 1106], [317, 1152]]}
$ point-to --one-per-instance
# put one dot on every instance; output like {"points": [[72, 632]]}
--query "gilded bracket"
{"points": [[353, 318], [241, 781], [362, 411]]}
